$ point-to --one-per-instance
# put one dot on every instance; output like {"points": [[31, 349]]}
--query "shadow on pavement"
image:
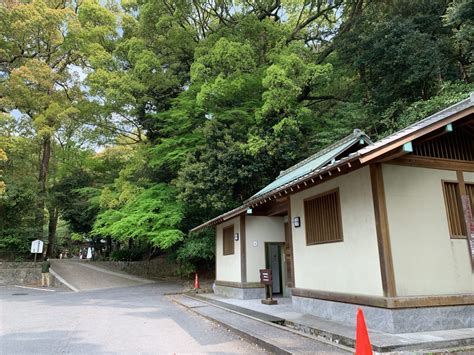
{"points": [[46, 342], [129, 304]]}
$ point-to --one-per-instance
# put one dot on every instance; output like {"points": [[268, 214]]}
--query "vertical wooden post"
{"points": [[292, 283], [243, 255], [467, 213], [383, 236]]}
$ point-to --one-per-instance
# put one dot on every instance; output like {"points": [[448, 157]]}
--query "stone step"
{"points": [[273, 337], [342, 334], [262, 316]]}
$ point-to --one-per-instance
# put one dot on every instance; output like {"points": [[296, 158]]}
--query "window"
{"points": [[457, 145], [322, 216], [452, 198], [228, 240]]}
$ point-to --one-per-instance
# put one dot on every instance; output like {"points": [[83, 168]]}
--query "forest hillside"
{"points": [[124, 124]]}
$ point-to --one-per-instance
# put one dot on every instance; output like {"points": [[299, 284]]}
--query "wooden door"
{"points": [[274, 263], [288, 256]]}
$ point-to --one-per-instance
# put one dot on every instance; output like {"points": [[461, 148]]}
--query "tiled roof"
{"points": [[314, 162], [222, 218], [324, 161], [438, 116]]}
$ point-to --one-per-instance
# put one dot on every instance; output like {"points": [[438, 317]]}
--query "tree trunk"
{"points": [[42, 186], [109, 246], [52, 226]]}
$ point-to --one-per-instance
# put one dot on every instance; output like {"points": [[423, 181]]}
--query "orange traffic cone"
{"points": [[196, 281], [363, 346]]}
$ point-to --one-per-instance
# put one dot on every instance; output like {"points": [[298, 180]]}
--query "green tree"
{"points": [[3, 158], [40, 44]]}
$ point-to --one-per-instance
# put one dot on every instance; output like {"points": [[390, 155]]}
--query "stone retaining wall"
{"points": [[159, 267], [18, 273], [24, 274]]}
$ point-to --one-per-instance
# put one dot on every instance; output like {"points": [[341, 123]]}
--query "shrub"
{"points": [[127, 255]]}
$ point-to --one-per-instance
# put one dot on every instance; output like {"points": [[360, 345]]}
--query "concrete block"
{"points": [[239, 293], [407, 320]]}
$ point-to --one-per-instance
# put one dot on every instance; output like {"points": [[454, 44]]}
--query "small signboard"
{"points": [[266, 277], [37, 246]]}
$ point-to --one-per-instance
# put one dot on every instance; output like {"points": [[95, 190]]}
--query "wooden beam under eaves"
{"points": [[397, 153]]}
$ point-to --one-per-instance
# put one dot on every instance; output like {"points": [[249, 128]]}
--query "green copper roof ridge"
{"points": [[356, 134], [316, 161]]}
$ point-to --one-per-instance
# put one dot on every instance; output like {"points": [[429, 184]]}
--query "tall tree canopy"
{"points": [[175, 111]]}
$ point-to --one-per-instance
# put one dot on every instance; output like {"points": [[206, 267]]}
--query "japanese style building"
{"points": [[386, 226]]}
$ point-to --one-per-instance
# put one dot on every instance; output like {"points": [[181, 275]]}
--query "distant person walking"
{"points": [[89, 253], [45, 272]]}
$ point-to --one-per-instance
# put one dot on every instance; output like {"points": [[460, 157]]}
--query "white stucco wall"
{"points": [[468, 177], [228, 266], [259, 230], [426, 260], [351, 266]]}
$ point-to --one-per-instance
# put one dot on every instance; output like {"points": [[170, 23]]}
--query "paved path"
{"points": [[278, 338], [83, 276], [129, 320]]}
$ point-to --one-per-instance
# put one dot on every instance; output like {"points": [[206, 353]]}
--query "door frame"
{"points": [[281, 246]]}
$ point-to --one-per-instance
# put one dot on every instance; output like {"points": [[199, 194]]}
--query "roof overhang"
{"points": [[222, 218], [418, 129], [365, 156], [318, 176]]}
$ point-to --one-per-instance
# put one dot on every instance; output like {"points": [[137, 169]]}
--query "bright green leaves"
{"points": [[32, 28], [3, 158], [227, 58], [151, 214], [216, 97], [287, 79], [225, 74], [33, 88]]}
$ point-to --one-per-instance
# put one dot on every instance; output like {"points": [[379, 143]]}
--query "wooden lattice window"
{"points": [[228, 240], [323, 218], [458, 145], [452, 199]]}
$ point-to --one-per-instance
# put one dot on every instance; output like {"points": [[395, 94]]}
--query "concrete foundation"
{"points": [[386, 320], [243, 293]]}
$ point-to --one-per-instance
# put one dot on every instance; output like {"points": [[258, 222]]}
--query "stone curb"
{"points": [[348, 343], [260, 341], [61, 280]]}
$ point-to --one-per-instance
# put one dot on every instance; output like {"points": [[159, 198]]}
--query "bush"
{"points": [[127, 255]]}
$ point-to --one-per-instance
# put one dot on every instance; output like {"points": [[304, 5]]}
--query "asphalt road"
{"points": [[128, 320], [83, 275]]}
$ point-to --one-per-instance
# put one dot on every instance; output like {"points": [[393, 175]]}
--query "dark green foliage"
{"points": [[196, 250], [450, 94], [204, 103], [127, 255], [75, 204], [398, 50]]}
